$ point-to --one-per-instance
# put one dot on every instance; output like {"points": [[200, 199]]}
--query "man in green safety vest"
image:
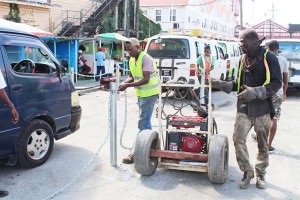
{"points": [[144, 78], [259, 78]]}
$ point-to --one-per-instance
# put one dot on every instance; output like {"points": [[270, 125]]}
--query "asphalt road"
{"points": [[102, 181]]}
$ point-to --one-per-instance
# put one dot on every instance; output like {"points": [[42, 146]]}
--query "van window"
{"points": [[169, 48], [200, 48], [26, 59], [221, 54], [213, 50]]}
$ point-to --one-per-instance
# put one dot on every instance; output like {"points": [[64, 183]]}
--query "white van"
{"points": [[290, 49], [232, 54], [176, 56]]}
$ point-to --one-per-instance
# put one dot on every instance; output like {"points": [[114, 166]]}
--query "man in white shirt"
{"points": [[280, 96], [14, 113]]}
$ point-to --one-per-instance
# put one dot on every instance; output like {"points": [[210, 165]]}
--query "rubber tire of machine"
{"points": [[143, 163], [218, 154]]}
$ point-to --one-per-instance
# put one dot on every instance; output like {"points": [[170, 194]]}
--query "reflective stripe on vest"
{"points": [[268, 76], [136, 69], [140, 77], [204, 65], [204, 62]]}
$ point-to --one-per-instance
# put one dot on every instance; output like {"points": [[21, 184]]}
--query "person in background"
{"points": [[280, 96], [100, 57], [14, 113], [83, 67], [144, 78], [207, 62]]}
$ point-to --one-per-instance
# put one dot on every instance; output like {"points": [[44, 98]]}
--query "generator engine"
{"points": [[185, 142]]}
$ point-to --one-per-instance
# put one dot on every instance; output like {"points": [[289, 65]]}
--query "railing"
{"points": [[70, 18]]}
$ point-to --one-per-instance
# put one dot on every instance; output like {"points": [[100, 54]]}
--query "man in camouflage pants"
{"points": [[259, 78]]}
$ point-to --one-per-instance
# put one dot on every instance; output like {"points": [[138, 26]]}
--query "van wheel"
{"points": [[35, 144], [222, 77]]}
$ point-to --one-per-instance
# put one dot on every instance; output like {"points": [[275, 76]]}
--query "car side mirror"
{"points": [[64, 65]]}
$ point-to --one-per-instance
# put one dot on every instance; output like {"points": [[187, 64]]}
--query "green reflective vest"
{"points": [[268, 76], [136, 69]]}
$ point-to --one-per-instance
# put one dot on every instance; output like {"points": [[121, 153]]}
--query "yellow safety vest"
{"points": [[136, 69], [268, 76]]}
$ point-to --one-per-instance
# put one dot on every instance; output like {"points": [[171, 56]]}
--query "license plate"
{"points": [[166, 72], [166, 79]]}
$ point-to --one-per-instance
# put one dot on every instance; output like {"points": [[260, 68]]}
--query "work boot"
{"points": [[3, 193], [260, 182], [128, 159], [246, 179]]}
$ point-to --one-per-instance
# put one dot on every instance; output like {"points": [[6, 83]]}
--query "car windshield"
{"points": [[169, 48], [290, 50]]}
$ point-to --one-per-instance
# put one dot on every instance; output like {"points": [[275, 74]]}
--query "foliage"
{"points": [[147, 28], [14, 13], [107, 25]]}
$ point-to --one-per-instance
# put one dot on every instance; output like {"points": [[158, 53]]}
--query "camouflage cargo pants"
{"points": [[242, 127]]}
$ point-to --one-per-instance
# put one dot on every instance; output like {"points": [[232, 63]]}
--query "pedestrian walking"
{"points": [[259, 78], [280, 96]]}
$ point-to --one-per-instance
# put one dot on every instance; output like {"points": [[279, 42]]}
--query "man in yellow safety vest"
{"points": [[144, 78]]}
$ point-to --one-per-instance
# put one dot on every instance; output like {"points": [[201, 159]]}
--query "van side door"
{"points": [[7, 129], [36, 88]]}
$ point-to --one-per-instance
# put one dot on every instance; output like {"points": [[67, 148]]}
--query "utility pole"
{"points": [[126, 22], [241, 15], [137, 17]]}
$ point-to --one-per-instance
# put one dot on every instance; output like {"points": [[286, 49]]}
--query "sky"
{"points": [[287, 11]]}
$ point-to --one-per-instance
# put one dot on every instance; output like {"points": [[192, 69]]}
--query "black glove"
{"points": [[224, 86], [250, 93]]}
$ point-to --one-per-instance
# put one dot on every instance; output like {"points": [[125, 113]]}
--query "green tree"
{"points": [[107, 25], [14, 13], [147, 27]]}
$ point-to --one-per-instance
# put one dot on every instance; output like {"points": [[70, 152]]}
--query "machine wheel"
{"points": [[218, 153], [35, 144], [143, 163]]}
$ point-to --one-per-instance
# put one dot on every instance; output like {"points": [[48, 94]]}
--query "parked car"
{"points": [[233, 54], [176, 56], [43, 95]]}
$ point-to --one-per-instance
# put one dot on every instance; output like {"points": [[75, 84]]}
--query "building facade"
{"points": [[215, 19], [49, 15]]}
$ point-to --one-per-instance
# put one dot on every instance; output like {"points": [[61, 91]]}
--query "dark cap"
{"points": [[206, 47], [272, 45]]}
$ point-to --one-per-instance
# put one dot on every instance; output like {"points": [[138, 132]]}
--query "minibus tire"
{"points": [[42, 145]]}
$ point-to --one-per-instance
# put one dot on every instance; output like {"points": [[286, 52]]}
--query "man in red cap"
{"points": [[100, 57]]}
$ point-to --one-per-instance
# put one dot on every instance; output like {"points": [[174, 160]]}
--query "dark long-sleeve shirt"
{"points": [[255, 76]]}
